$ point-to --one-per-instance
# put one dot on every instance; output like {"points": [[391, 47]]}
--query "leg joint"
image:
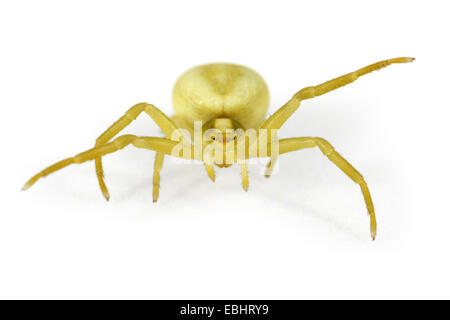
{"points": [[135, 110], [123, 141], [324, 146], [305, 93]]}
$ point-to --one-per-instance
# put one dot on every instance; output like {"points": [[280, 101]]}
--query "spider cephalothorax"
{"points": [[220, 118]]}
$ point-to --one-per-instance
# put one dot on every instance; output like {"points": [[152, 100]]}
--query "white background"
{"points": [[70, 69]]}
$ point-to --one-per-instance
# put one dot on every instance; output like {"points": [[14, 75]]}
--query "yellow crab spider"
{"points": [[227, 100]]}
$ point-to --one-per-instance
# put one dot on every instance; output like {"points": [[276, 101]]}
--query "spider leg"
{"points": [[244, 176], [270, 166], [161, 145], [159, 159], [166, 125], [210, 171], [285, 112], [293, 144], [208, 156]]}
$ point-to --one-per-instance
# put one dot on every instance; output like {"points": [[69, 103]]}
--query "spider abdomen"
{"points": [[221, 90]]}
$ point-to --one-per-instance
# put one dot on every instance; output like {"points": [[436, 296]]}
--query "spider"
{"points": [[222, 100]]}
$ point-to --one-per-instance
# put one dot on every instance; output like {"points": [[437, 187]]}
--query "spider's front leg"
{"points": [[166, 125], [293, 144], [161, 145], [276, 120]]}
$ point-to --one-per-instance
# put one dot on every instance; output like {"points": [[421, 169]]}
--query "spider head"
{"points": [[220, 140]]}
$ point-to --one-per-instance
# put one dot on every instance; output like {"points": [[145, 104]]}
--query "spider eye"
{"points": [[214, 138]]}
